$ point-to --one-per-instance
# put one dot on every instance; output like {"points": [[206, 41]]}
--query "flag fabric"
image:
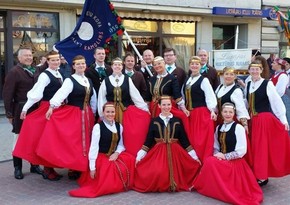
{"points": [[284, 21], [98, 24]]}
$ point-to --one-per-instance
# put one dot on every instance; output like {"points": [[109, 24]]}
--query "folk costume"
{"points": [[131, 110], [111, 176], [200, 100], [166, 84], [66, 138], [230, 180], [170, 164], [270, 142]]}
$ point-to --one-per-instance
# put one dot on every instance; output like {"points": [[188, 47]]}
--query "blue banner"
{"points": [[265, 13], [98, 23]]}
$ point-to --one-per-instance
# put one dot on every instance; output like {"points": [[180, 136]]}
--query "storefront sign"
{"points": [[239, 12], [238, 59]]}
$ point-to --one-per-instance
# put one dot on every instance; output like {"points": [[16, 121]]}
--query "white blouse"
{"points": [[275, 100], [134, 93], [94, 148], [206, 87], [67, 88], [237, 98], [241, 145], [36, 93], [282, 83]]}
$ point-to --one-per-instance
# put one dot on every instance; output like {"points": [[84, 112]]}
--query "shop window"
{"points": [[223, 37], [160, 35], [184, 47], [37, 30]]}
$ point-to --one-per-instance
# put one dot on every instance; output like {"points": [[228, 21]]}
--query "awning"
{"points": [[155, 16]]}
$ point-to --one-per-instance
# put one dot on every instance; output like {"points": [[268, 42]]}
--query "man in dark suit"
{"points": [[19, 80], [98, 71], [207, 70], [171, 67], [148, 57], [136, 76]]}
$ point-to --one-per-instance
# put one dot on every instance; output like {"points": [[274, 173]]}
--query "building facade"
{"points": [[155, 24]]}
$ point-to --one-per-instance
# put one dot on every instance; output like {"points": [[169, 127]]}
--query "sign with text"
{"points": [[238, 59], [265, 13]]}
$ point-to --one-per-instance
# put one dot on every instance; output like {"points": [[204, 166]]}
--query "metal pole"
{"points": [[137, 52], [237, 37]]}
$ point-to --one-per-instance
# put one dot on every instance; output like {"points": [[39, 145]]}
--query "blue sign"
{"points": [[239, 12]]}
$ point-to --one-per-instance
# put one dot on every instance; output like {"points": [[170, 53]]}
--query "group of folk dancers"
{"points": [[177, 139]]}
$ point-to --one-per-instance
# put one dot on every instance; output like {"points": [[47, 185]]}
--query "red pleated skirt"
{"points": [[111, 177], [270, 145], [136, 124], [30, 133], [230, 181], [65, 141], [155, 111], [153, 174], [201, 132]]}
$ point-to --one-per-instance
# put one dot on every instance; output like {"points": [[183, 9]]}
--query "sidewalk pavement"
{"points": [[33, 189]]}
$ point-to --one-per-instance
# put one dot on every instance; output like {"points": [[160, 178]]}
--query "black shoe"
{"points": [[36, 169], [18, 173], [262, 182], [73, 175]]}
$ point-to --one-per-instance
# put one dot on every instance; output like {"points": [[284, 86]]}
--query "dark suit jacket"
{"points": [[180, 74], [212, 76], [17, 83], [139, 82], [94, 76]]}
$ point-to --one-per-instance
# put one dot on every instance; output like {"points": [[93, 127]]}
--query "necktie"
{"points": [[150, 67], [130, 73], [203, 69], [30, 68], [169, 68], [102, 72]]}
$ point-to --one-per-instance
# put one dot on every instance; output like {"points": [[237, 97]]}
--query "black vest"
{"points": [[226, 97], [78, 95], [52, 87], [125, 92], [106, 138], [261, 103], [229, 141], [197, 98]]}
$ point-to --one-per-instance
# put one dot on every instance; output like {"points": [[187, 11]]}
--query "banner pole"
{"points": [[137, 52]]}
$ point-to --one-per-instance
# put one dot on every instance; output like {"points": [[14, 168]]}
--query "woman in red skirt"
{"points": [[226, 176], [66, 137], [200, 100], [131, 110], [111, 169], [270, 142], [171, 163]]}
